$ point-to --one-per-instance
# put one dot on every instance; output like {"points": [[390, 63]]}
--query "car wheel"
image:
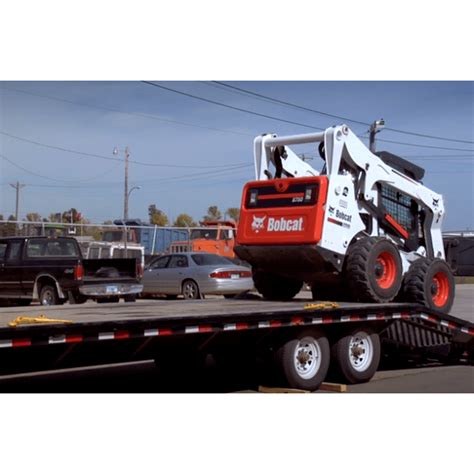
{"points": [[190, 290], [49, 296]]}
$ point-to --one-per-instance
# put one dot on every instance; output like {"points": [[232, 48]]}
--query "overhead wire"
{"points": [[134, 114], [320, 112], [109, 158]]}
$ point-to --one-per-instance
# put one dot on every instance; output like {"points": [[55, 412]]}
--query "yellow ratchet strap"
{"points": [[322, 305], [35, 320]]}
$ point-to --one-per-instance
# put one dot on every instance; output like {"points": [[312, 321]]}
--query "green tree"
{"points": [[233, 213], [184, 220], [213, 214], [157, 217]]}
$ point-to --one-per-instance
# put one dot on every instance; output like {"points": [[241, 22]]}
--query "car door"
{"points": [[153, 276], [175, 273]]}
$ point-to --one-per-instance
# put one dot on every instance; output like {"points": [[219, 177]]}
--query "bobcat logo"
{"points": [[331, 209], [258, 223]]}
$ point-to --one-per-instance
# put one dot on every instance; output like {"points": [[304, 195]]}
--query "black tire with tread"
{"points": [[198, 291], [49, 288], [341, 367], [360, 270], [417, 283], [275, 287], [285, 359]]}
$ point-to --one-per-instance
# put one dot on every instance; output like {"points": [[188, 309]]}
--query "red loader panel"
{"points": [[282, 211]]}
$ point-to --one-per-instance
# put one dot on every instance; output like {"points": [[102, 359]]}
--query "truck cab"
{"points": [[216, 237]]}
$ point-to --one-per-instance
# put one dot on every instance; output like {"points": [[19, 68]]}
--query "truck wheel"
{"points": [[275, 287], [356, 356], [49, 296], [374, 270], [304, 360], [431, 284], [130, 298], [190, 290]]}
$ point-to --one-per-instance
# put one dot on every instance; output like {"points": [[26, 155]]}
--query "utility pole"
{"points": [[375, 128], [17, 186], [125, 205], [125, 190]]}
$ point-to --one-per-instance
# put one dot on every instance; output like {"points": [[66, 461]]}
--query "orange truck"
{"points": [[212, 236]]}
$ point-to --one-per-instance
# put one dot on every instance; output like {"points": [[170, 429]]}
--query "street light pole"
{"points": [[17, 186], [126, 194]]}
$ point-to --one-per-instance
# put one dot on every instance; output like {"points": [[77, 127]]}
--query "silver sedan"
{"points": [[194, 274]]}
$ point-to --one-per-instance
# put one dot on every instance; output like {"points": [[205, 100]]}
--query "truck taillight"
{"points": [[78, 272], [231, 274], [139, 269]]}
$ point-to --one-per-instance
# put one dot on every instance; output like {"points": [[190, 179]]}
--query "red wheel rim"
{"points": [[440, 289], [386, 271]]}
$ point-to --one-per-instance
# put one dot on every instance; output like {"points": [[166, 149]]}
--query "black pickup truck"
{"points": [[53, 271]]}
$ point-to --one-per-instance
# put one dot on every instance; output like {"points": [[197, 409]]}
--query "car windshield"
{"points": [[209, 234], [209, 259]]}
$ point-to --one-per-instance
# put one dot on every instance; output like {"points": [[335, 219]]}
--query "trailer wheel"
{"points": [[304, 360], [275, 287], [130, 298], [49, 296], [356, 356], [374, 270], [190, 290], [431, 284]]}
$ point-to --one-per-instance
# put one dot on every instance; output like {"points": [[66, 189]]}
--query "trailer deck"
{"points": [[76, 335]]}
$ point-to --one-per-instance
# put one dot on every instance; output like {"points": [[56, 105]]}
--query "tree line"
{"points": [[155, 216]]}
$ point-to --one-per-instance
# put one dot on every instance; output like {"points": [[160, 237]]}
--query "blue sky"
{"points": [[210, 157]]}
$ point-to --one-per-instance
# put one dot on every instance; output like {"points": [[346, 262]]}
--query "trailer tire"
{"points": [[304, 360], [49, 296], [356, 356], [190, 290], [374, 270], [130, 298], [431, 284], [275, 287]]}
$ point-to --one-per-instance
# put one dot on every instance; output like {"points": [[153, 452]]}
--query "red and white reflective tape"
{"points": [[19, 342]]}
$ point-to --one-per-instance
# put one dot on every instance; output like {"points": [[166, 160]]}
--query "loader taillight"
{"points": [[78, 272]]}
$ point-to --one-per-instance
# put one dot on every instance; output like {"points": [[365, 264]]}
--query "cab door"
{"points": [[11, 269]]}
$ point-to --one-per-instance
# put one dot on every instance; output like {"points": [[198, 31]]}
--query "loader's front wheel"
{"points": [[275, 287], [431, 284], [374, 270]]}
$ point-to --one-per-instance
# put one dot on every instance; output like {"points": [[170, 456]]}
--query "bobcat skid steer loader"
{"points": [[364, 228]]}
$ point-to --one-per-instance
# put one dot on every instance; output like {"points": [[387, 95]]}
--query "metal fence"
{"points": [[155, 239]]}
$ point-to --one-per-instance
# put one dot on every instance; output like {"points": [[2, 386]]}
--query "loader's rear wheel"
{"points": [[275, 287], [431, 284], [304, 360], [356, 356], [374, 270]]}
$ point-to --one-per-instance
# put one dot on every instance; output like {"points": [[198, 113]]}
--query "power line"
{"points": [[220, 104], [283, 120], [290, 104], [134, 114], [104, 157], [228, 169]]}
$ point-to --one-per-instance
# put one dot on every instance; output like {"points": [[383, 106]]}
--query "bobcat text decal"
{"points": [[277, 224]]}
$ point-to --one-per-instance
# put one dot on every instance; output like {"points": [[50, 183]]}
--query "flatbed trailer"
{"points": [[302, 339]]}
